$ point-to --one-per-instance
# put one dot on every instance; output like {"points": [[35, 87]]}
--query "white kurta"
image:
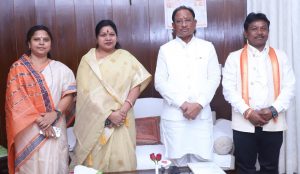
{"points": [[187, 72], [260, 85]]}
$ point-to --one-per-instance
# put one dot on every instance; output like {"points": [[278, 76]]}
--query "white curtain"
{"points": [[284, 16]]}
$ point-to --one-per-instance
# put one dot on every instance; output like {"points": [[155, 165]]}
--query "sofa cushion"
{"points": [[223, 141], [223, 145], [147, 130]]}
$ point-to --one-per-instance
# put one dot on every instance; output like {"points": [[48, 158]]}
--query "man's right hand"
{"points": [[256, 119], [191, 110]]}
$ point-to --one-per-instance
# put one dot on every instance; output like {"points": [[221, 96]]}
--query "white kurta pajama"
{"points": [[187, 72]]}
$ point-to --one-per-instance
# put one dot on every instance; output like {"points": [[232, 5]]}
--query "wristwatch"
{"points": [[107, 122], [273, 111]]}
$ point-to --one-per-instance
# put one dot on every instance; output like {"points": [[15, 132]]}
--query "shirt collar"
{"points": [[255, 51], [182, 43]]}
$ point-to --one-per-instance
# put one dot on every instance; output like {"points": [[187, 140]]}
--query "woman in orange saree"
{"points": [[38, 92]]}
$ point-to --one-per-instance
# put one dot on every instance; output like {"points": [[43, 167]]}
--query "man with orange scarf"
{"points": [[259, 83]]}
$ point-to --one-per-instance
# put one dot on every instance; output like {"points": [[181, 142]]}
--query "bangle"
{"points": [[58, 112], [248, 113], [130, 103]]}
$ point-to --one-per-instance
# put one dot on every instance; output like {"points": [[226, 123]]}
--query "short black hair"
{"points": [[104, 23], [182, 8], [31, 32], [254, 17]]}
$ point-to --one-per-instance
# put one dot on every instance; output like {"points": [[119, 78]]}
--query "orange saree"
{"points": [[27, 95]]}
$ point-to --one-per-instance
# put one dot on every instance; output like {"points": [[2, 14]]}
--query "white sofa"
{"points": [[149, 107]]}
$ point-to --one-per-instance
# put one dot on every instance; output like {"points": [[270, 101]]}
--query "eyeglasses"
{"points": [[182, 21]]}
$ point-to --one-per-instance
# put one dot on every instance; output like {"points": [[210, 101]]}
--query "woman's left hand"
{"points": [[46, 120]]}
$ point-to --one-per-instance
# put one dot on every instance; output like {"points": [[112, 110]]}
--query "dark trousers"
{"points": [[261, 145]]}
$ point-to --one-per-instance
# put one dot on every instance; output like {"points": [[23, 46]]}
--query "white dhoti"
{"points": [[188, 137]]}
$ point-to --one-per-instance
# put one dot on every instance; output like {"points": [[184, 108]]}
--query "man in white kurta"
{"points": [[187, 76], [259, 83]]}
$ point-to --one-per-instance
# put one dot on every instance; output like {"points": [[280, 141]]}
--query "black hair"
{"points": [[182, 8], [31, 32], [104, 23], [255, 17]]}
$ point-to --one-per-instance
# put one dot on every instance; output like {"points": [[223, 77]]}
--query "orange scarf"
{"points": [[27, 95], [244, 73]]}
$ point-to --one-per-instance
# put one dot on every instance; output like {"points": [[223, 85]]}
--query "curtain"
{"points": [[284, 34]]}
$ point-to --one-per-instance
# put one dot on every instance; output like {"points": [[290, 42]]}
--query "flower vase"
{"points": [[156, 169]]}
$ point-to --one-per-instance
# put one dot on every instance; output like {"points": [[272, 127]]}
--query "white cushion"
{"points": [[223, 141], [222, 127], [223, 145], [145, 107]]}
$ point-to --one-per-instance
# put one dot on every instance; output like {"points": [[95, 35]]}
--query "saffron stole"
{"points": [[244, 73]]}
